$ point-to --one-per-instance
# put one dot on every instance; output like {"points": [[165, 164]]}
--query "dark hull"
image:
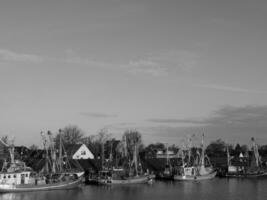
{"points": [[91, 182], [44, 187], [165, 177], [255, 175]]}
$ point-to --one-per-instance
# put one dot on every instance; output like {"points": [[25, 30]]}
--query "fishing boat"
{"points": [[118, 176], [198, 170], [131, 173], [249, 169], [15, 176], [167, 173]]}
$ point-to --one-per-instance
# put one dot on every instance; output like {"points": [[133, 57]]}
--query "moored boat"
{"points": [[167, 173], [199, 170], [117, 177], [15, 176], [131, 171], [192, 174], [34, 185], [251, 168]]}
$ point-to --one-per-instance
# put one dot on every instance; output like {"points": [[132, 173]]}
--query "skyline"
{"points": [[168, 69]]}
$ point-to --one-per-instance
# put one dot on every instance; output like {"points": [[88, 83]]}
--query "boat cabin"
{"points": [[189, 171], [16, 178]]}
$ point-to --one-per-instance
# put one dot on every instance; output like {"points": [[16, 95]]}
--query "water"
{"points": [[216, 189]]}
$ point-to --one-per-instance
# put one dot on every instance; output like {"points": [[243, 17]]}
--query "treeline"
{"points": [[103, 145]]}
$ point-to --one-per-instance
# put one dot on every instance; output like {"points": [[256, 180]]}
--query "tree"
{"points": [[70, 135], [132, 139], [238, 149], [151, 149], [245, 149], [33, 147], [216, 148], [96, 142], [263, 150]]}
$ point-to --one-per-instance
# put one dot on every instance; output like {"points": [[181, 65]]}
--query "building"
{"points": [[165, 154], [79, 151]]}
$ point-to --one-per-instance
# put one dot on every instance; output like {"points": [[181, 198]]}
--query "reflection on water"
{"points": [[219, 189]]}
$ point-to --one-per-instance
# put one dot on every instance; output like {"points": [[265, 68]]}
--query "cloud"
{"points": [[143, 66], [247, 116], [7, 55], [148, 67], [233, 124], [156, 65], [177, 121], [71, 57], [162, 64], [98, 115], [230, 88]]}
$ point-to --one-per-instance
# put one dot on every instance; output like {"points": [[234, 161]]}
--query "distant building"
{"points": [[79, 151], [164, 154]]}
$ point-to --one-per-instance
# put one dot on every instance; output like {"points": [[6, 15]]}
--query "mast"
{"points": [[202, 151], [102, 154], [189, 151], [135, 159], [110, 155], [46, 152], [12, 152], [256, 152], [228, 155], [125, 146], [60, 151], [11, 149], [167, 155], [183, 163], [52, 151], [182, 152]]}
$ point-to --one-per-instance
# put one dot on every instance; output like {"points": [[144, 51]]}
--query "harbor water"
{"points": [[216, 189]]}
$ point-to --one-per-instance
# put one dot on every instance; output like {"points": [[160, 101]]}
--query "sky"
{"points": [[169, 69]]}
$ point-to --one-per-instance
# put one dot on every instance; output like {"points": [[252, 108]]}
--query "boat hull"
{"points": [[195, 178], [165, 177], [251, 175], [132, 180], [5, 188]]}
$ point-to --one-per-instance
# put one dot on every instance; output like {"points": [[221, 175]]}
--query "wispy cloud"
{"points": [[7, 55], [98, 115], [251, 116], [177, 121], [148, 67], [162, 64], [226, 116], [230, 88], [71, 57], [232, 123], [157, 64]]}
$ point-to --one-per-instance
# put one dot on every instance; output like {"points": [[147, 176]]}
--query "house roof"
{"points": [[71, 149]]}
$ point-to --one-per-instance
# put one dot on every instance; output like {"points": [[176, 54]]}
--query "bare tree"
{"points": [[5, 139], [133, 138], [96, 142], [70, 135], [33, 147]]}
